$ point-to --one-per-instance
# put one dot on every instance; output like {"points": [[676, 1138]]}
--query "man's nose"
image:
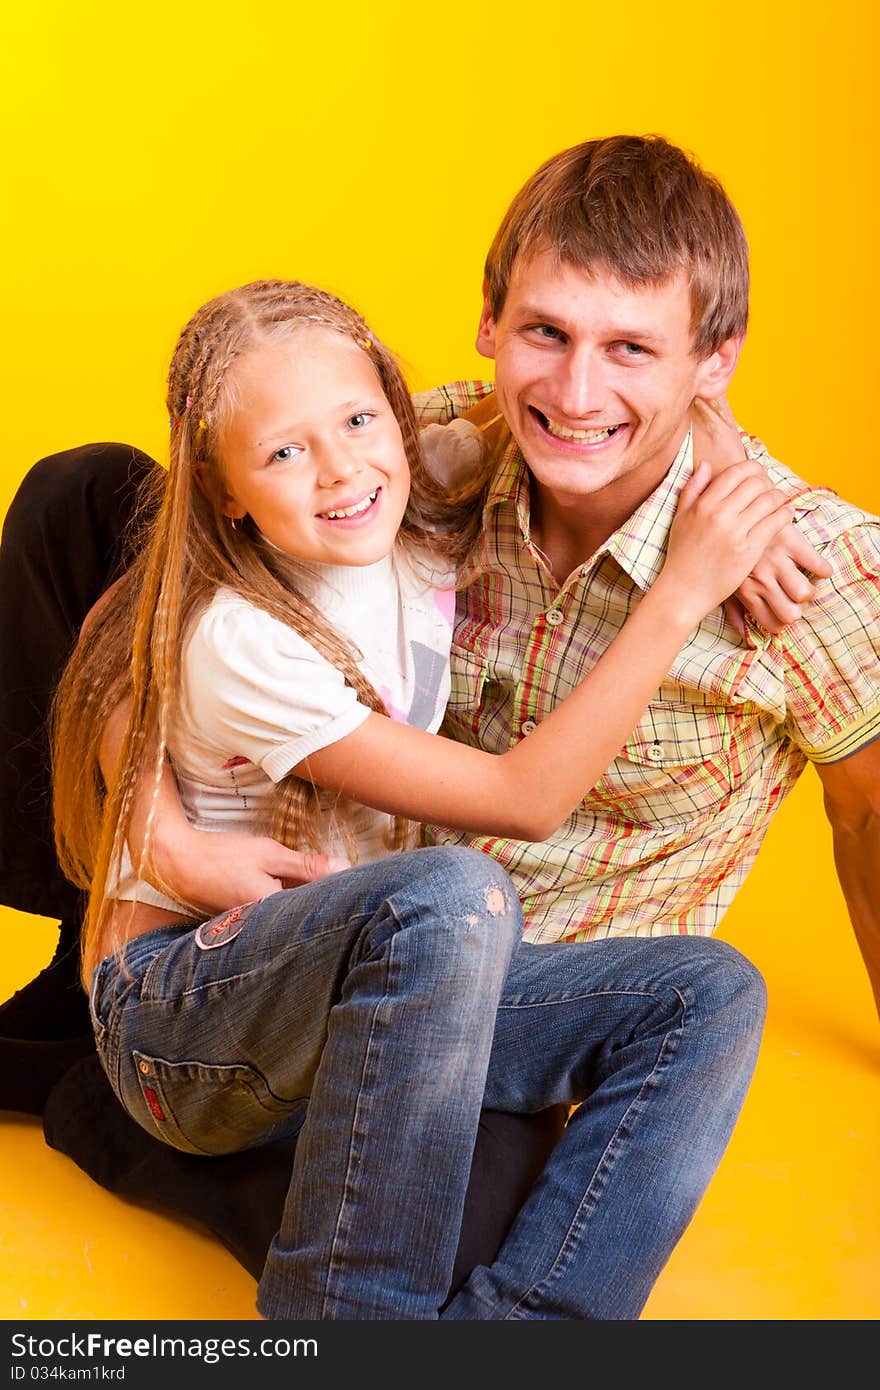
{"points": [[581, 388]]}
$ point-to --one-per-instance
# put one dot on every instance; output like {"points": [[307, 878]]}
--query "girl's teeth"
{"points": [[579, 436], [353, 511]]}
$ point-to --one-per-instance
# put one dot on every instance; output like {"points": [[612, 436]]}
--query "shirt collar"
{"points": [[510, 483], [638, 546]]}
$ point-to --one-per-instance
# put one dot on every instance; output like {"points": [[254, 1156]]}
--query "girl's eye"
{"points": [[358, 421], [283, 455]]}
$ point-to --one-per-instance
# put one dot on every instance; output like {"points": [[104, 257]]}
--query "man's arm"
{"points": [[210, 870], [852, 804]]}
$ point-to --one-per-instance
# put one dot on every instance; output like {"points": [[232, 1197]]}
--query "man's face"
{"points": [[596, 379]]}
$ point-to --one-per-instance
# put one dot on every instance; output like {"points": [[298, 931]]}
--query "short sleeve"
{"points": [[444, 403], [831, 656], [254, 688]]}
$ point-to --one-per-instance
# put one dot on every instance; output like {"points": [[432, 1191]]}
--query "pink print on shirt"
{"points": [[445, 600]]}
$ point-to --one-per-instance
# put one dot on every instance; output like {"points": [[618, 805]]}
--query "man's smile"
{"points": [[598, 434]]}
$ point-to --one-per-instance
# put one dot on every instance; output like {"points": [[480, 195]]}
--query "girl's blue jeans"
{"points": [[376, 1011]]}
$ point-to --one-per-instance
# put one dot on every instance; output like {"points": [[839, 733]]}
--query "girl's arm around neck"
{"points": [[527, 792]]}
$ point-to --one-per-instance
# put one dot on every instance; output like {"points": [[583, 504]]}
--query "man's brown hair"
{"points": [[641, 208]]}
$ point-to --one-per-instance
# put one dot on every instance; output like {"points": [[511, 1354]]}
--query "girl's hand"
{"points": [[722, 527], [778, 587]]}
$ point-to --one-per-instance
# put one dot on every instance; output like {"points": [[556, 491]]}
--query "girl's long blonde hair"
{"points": [[131, 649]]}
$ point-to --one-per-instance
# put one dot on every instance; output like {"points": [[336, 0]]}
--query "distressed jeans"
{"points": [[376, 1011]]}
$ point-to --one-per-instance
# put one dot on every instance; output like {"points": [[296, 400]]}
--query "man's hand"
{"points": [[777, 590], [213, 871], [779, 587], [209, 870]]}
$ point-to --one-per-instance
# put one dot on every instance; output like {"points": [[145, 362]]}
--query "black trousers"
{"points": [[69, 532]]}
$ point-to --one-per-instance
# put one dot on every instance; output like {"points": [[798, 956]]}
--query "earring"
{"points": [[234, 522]]}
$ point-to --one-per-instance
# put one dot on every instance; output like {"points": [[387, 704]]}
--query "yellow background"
{"points": [[153, 157]]}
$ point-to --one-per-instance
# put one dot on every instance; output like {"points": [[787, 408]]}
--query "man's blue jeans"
{"points": [[376, 1011]]}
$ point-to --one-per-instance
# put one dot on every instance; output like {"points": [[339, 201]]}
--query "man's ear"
{"points": [[486, 330], [714, 373]]}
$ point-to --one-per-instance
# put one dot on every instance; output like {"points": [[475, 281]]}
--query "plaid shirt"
{"points": [[663, 841]]}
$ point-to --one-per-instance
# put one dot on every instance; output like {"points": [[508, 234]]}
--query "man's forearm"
{"points": [[852, 805], [857, 856]]}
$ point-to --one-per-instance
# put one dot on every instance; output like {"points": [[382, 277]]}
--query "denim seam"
{"points": [[581, 1217], [362, 1101], [261, 968]]}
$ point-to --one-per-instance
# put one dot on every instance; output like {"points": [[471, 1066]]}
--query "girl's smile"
{"points": [[312, 450], [355, 511]]}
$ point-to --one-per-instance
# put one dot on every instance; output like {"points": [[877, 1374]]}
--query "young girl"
{"points": [[296, 591]]}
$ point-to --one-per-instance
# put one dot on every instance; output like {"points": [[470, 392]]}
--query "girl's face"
{"points": [[312, 450]]}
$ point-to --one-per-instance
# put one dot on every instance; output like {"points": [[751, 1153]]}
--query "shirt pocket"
{"points": [[205, 1108], [468, 676], [674, 768]]}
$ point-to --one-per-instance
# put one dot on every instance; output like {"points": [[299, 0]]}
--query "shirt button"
{"points": [[528, 727], [144, 1067], [655, 753], [554, 616]]}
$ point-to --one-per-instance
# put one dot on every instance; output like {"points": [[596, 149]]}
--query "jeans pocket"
{"points": [[203, 1107]]}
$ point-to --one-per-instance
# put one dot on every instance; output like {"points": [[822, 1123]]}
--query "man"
{"points": [[616, 291]]}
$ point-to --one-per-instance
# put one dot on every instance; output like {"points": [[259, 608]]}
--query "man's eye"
{"points": [[546, 330], [358, 421], [632, 349]]}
